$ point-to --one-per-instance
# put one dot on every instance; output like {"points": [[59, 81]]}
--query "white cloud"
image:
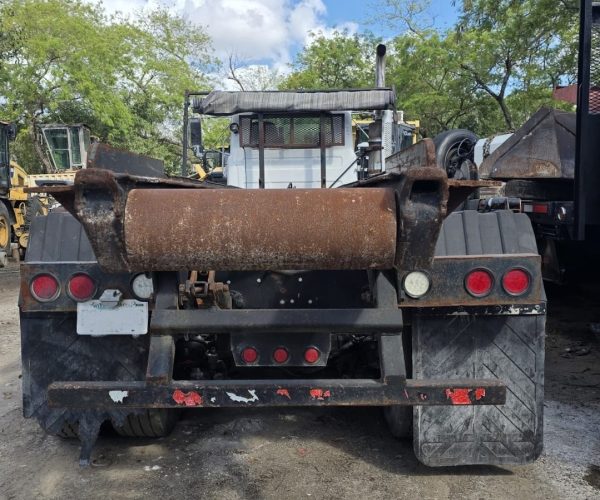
{"points": [[254, 31]]}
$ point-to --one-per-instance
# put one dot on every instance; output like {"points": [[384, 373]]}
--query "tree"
{"points": [[252, 77], [429, 88], [75, 64], [511, 48], [337, 61], [489, 72]]}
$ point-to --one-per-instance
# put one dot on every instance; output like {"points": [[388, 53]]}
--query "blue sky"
{"points": [[339, 11]]}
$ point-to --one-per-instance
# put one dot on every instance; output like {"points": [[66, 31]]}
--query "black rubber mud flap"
{"points": [[52, 351], [509, 348]]}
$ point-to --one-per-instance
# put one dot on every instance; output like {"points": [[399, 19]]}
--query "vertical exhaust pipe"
{"points": [[376, 160], [380, 66]]}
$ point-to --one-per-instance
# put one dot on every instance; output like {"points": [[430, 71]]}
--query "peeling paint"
{"points": [[118, 396], [191, 398], [459, 396], [283, 392], [241, 399], [319, 394], [479, 393]]}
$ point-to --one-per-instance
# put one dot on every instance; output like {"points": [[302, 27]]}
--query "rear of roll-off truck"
{"points": [[144, 296]]}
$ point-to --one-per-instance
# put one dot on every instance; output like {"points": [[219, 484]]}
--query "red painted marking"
{"points": [[319, 394], [283, 392], [191, 398], [459, 396], [479, 393]]}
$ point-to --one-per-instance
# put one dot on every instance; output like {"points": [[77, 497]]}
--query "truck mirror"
{"points": [[11, 132], [196, 135]]}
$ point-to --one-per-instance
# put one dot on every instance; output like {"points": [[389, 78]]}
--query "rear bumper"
{"points": [[232, 393], [159, 390]]}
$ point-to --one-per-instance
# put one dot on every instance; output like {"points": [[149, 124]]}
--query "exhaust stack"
{"points": [[380, 66], [376, 160]]}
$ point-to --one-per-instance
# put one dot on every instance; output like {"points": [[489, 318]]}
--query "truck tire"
{"points": [[5, 229], [454, 153], [149, 424], [399, 420], [507, 347], [34, 209]]}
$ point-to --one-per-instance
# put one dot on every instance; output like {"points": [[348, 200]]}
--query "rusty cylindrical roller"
{"points": [[239, 229]]}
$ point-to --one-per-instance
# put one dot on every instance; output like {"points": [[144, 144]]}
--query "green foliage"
{"points": [[524, 47], [334, 62], [488, 73], [125, 79], [215, 133]]}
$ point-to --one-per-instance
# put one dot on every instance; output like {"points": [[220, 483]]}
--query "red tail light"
{"points": [[280, 355], [44, 287], [249, 355], [81, 287], [479, 282], [516, 281], [312, 355]]}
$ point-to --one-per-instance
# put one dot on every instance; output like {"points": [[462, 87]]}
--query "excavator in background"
{"points": [[17, 208], [67, 148]]}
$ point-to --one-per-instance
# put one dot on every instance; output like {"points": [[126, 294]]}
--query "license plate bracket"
{"points": [[128, 317]]}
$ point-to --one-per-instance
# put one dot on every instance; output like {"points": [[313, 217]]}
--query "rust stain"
{"points": [[283, 392], [274, 229], [459, 396], [191, 398], [319, 394]]}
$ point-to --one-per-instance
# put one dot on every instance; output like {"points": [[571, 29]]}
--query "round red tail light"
{"points": [[516, 281], [312, 355], [479, 282], [249, 355], [81, 287], [280, 355], [44, 287]]}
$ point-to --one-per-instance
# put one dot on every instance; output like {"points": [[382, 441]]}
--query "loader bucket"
{"points": [[543, 148]]}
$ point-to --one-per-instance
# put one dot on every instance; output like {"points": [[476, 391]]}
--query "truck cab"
{"points": [[292, 149], [300, 148]]}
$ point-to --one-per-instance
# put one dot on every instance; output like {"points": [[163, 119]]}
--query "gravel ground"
{"points": [[302, 453]]}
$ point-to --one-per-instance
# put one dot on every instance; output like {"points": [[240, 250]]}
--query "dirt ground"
{"points": [[307, 453]]}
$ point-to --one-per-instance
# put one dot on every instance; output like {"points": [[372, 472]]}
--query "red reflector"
{"points": [[44, 287], [81, 287], [516, 281], [280, 355], [249, 355], [312, 355], [479, 283], [539, 208]]}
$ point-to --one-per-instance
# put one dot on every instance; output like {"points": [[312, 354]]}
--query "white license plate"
{"points": [[129, 317]]}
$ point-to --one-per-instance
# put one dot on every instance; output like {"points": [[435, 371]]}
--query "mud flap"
{"points": [[509, 348]]}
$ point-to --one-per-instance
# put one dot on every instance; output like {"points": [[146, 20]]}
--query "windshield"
{"points": [[58, 142], [300, 131]]}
